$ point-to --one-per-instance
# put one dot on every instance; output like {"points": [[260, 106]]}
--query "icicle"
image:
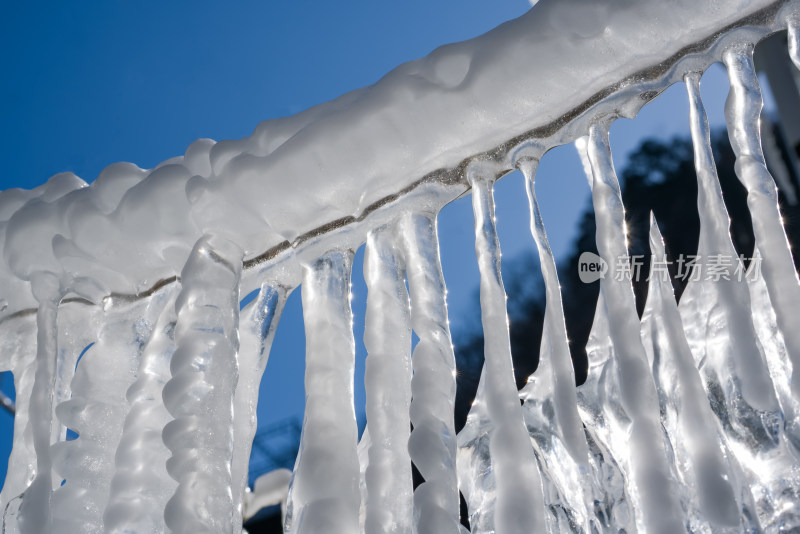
{"points": [[519, 504], [19, 345], [200, 394], [655, 493], [749, 365], [720, 499], [256, 330], [551, 404], [387, 337], [141, 485], [325, 488], [742, 113], [606, 423], [717, 317], [432, 444], [557, 356], [96, 411], [35, 508]]}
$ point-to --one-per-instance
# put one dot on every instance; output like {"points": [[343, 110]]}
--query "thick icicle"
{"points": [[742, 114], [551, 404], [141, 485], [19, 345], [720, 499], [432, 444], [387, 337], [256, 331], [200, 393], [717, 317], [324, 495], [96, 411], [35, 508], [653, 487], [519, 505]]}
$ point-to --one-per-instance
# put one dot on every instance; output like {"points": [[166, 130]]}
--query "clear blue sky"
{"points": [[86, 84]]}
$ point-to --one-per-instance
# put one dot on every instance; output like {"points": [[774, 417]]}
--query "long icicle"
{"points": [[654, 488], [432, 444], [558, 356], [387, 337], [550, 395], [520, 501], [35, 508], [200, 394], [742, 114], [599, 405], [325, 493], [256, 330], [720, 500], [141, 485]]}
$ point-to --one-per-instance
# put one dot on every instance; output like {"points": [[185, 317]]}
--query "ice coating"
{"points": [[387, 338], [324, 494], [720, 499], [201, 391], [432, 444], [121, 249], [653, 487], [519, 506], [295, 174]]}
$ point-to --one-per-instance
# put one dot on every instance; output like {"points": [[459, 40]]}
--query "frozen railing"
{"points": [[688, 419]]}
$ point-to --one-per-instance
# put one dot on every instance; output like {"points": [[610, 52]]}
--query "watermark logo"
{"points": [[712, 268], [591, 267]]}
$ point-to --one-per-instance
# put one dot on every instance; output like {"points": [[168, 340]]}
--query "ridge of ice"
{"points": [[133, 227]]}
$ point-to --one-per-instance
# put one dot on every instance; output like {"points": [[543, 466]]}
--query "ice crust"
{"points": [[689, 419], [132, 227]]}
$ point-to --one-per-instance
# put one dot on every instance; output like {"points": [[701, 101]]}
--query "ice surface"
{"points": [[689, 419]]}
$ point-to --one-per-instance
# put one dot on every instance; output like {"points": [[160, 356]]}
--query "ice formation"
{"points": [[120, 316]]}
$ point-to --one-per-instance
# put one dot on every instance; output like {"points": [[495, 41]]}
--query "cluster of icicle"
{"points": [[689, 419]]}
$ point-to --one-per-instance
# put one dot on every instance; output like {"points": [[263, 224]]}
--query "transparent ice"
{"points": [[138, 312]]}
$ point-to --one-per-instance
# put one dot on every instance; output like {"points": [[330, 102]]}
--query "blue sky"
{"points": [[87, 84]]}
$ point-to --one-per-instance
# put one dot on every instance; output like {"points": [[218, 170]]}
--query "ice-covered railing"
{"points": [[688, 420]]}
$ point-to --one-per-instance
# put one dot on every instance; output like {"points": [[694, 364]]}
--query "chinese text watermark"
{"points": [[690, 267]]}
